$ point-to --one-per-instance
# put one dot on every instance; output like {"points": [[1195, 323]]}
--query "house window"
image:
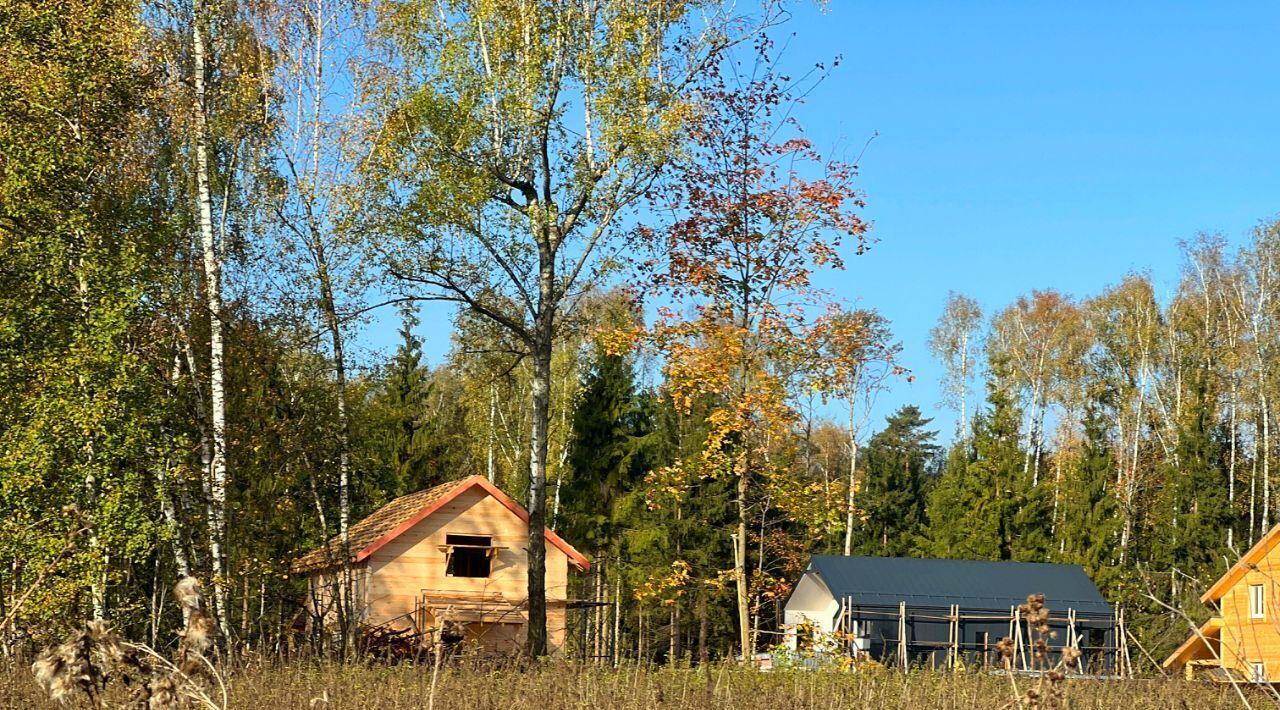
{"points": [[468, 555], [1257, 601], [1258, 671]]}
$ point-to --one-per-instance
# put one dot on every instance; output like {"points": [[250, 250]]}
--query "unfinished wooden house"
{"points": [[1241, 639], [455, 553], [906, 612]]}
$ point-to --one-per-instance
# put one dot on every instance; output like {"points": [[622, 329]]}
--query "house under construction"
{"points": [[907, 612]]}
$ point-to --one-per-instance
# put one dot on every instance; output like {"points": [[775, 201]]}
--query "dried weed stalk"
{"points": [[1050, 688], [83, 667]]}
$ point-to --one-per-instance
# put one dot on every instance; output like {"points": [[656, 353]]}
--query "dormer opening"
{"points": [[468, 555]]}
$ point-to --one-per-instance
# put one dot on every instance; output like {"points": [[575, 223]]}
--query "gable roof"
{"points": [[973, 584], [398, 516], [1196, 644], [1237, 571]]}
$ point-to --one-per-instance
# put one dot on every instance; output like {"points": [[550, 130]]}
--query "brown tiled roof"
{"points": [[382, 521], [392, 519]]}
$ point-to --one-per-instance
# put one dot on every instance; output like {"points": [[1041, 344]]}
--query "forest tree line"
{"points": [[202, 203]]}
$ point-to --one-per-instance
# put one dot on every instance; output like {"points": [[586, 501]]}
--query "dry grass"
{"points": [[577, 686]]}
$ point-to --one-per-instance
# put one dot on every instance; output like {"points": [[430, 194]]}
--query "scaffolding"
{"points": [[950, 637]]}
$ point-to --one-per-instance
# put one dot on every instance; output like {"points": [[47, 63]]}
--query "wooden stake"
{"points": [[1073, 639], [616, 644], [1125, 666], [901, 633], [955, 635], [1019, 653]]}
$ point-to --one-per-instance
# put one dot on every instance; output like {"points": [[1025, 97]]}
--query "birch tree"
{"points": [[310, 124], [80, 254], [956, 341], [505, 140], [212, 130], [1125, 321], [1259, 311], [1033, 337]]}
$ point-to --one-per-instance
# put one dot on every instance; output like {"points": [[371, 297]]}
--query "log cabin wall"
{"points": [[414, 564], [1247, 640]]}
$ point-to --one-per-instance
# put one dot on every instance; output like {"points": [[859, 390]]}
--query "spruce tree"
{"points": [[610, 433], [987, 507], [1090, 525], [1194, 514], [401, 425], [898, 461]]}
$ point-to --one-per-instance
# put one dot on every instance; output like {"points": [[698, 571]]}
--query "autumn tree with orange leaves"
{"points": [[752, 213]]}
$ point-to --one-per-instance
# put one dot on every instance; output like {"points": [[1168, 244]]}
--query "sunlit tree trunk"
{"points": [[213, 303], [853, 480], [540, 412], [165, 486]]}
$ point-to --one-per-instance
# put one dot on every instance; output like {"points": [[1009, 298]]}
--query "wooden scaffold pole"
{"points": [[902, 635], [954, 652], [1019, 650], [1073, 639], [1123, 662]]}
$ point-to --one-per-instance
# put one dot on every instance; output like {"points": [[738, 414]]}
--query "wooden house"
{"points": [[1241, 639], [907, 612], [456, 552]]}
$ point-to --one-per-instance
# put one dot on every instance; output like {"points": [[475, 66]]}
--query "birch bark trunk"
{"points": [[538, 443], [213, 303]]}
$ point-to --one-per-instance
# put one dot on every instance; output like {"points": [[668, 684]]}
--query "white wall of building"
{"points": [[813, 603]]}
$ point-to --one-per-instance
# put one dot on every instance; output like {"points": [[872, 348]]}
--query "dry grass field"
{"points": [[313, 686]]}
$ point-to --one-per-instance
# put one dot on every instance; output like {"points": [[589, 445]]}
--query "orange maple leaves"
{"points": [[751, 218]]}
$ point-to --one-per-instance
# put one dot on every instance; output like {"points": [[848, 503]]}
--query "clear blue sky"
{"points": [[1032, 145]]}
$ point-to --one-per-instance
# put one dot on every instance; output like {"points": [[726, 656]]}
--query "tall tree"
{"points": [[610, 428], [307, 138], [211, 259], [1125, 323], [899, 461], [746, 232], [80, 402], [983, 506], [1034, 336], [1090, 524], [505, 140], [863, 339], [956, 340]]}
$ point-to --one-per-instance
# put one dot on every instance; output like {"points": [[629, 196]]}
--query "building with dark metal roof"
{"points": [[904, 611]]}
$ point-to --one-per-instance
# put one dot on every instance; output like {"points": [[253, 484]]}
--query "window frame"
{"points": [[472, 546], [1257, 601], [1258, 671]]}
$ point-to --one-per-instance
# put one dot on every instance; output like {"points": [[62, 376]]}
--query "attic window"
{"points": [[468, 555]]}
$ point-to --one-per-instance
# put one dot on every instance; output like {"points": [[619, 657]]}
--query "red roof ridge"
{"points": [[448, 491]]}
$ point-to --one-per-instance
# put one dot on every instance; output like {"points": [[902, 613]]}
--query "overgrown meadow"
{"points": [[555, 685]]}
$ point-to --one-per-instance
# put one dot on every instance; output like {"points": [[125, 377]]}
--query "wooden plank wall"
{"points": [[1246, 640], [413, 564]]}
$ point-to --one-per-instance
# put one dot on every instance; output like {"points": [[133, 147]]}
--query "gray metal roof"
{"points": [[973, 584]]}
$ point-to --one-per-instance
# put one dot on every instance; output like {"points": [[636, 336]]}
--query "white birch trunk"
{"points": [[213, 302], [853, 482]]}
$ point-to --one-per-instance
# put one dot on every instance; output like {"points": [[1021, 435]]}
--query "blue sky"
{"points": [[1029, 145]]}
